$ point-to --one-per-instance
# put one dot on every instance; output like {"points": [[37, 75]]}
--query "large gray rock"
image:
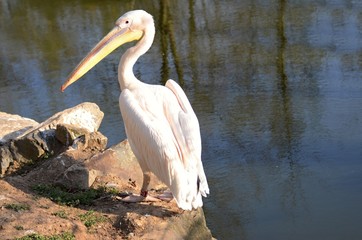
{"points": [[82, 163], [117, 160], [40, 141], [13, 126], [85, 115], [120, 161]]}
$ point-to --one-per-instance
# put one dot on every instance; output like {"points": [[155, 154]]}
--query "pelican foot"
{"points": [[133, 198], [165, 196]]}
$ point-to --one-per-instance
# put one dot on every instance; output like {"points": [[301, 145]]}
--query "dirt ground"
{"points": [[112, 218]]}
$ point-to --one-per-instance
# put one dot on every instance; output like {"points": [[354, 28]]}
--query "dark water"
{"points": [[277, 87]]}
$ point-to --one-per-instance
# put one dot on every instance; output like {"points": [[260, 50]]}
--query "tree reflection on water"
{"points": [[274, 84]]}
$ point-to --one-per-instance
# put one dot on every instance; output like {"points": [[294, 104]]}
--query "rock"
{"points": [[6, 158], [29, 148], [66, 133], [96, 141], [13, 126], [44, 140], [76, 174], [120, 161], [85, 115], [79, 166], [73, 135], [68, 169], [77, 177], [117, 160]]}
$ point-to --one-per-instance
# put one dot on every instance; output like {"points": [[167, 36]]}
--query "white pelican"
{"points": [[161, 126]]}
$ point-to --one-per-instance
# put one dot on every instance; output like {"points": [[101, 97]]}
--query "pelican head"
{"points": [[129, 27]]}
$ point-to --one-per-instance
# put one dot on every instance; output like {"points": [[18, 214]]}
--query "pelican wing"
{"points": [[189, 131], [150, 141]]}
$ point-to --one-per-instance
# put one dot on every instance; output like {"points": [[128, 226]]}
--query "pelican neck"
{"points": [[126, 77]]}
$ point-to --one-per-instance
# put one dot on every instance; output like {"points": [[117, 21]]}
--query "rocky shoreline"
{"points": [[61, 171]]}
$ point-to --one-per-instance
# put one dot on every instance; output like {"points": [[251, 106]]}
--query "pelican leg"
{"points": [[143, 197], [145, 184], [144, 189], [165, 196]]}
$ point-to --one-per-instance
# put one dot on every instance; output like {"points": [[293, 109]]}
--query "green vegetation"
{"points": [[67, 197], [63, 236], [61, 214], [17, 206], [72, 198], [90, 218], [18, 227], [109, 190]]}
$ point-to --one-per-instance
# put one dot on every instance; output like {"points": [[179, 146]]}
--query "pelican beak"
{"points": [[115, 38]]}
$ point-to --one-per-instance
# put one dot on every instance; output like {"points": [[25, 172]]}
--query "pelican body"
{"points": [[161, 126]]}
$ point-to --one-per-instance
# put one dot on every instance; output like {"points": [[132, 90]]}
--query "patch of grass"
{"points": [[44, 206], [110, 190], [61, 214], [67, 197], [18, 227], [62, 236], [90, 218], [17, 206]]}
